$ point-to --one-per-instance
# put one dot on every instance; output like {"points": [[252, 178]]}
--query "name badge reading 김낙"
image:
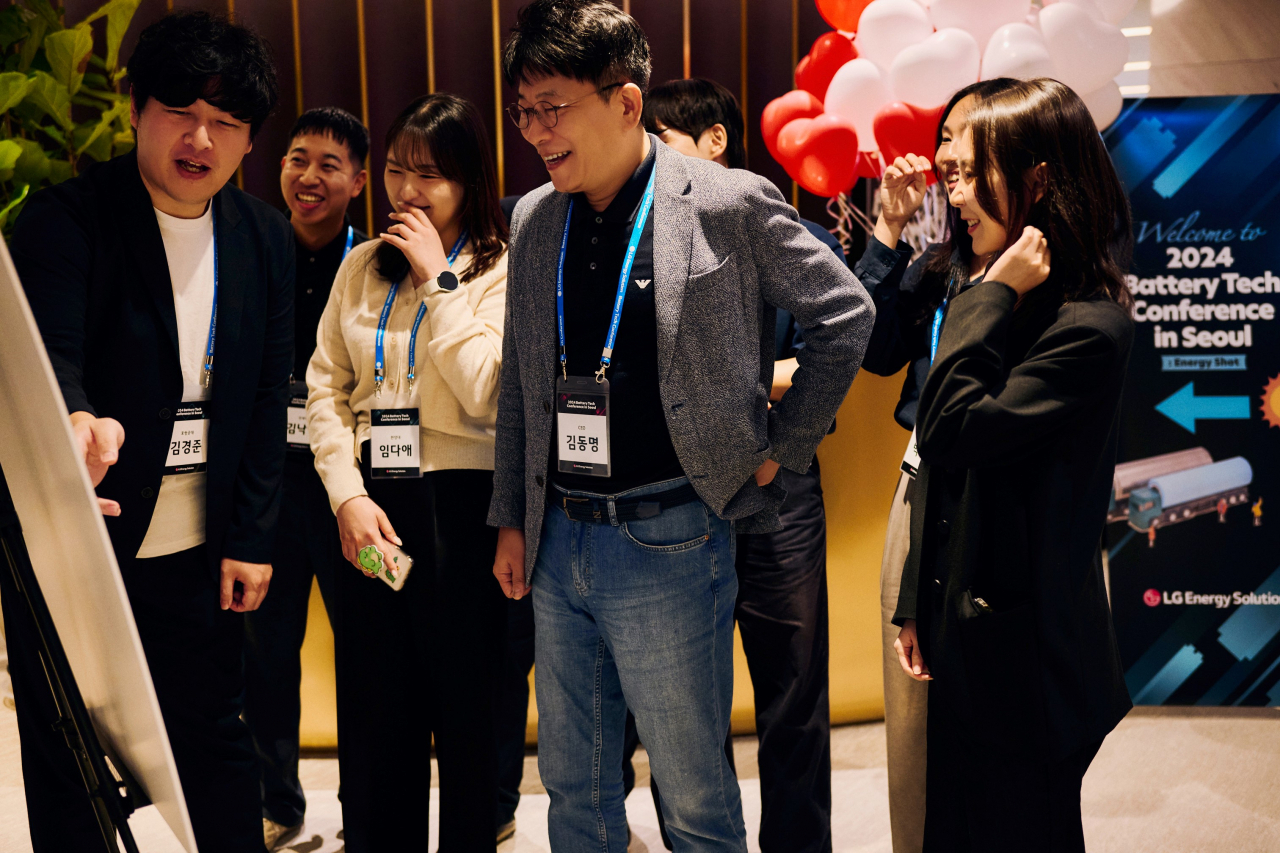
{"points": [[296, 418], [189, 444], [582, 426], [393, 444]]}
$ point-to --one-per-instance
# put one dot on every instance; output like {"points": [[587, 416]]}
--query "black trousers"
{"points": [[511, 714], [307, 546], [782, 614], [420, 662], [982, 800], [193, 649]]}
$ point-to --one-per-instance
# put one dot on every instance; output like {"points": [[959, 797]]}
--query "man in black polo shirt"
{"points": [[320, 174]]}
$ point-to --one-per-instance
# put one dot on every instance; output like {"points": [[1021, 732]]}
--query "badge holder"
{"points": [[189, 444], [582, 426], [296, 418], [911, 459], [393, 444]]}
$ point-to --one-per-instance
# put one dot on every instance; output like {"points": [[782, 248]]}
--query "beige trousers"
{"points": [[905, 700]]}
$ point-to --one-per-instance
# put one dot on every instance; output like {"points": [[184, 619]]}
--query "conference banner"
{"points": [[1193, 533]]}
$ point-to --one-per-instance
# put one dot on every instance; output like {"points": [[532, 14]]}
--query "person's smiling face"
{"points": [[952, 125], [187, 154], [419, 184], [318, 178], [588, 133], [988, 235]]}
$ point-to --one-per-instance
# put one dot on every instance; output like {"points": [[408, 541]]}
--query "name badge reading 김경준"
{"points": [[189, 443], [393, 444], [582, 426]]}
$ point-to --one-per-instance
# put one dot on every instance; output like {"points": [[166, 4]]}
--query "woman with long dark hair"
{"points": [[1002, 601], [402, 407], [907, 294]]}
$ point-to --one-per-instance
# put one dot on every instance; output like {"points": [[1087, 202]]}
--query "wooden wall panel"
{"points": [[262, 166]]}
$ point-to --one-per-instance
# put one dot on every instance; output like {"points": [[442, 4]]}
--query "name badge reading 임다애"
{"points": [[296, 418], [393, 444], [582, 426], [189, 445]]}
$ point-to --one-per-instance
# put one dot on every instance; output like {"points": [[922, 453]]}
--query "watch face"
{"points": [[447, 281]]}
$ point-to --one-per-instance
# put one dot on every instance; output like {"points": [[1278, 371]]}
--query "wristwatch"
{"points": [[447, 281]]}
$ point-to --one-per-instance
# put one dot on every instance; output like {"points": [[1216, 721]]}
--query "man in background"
{"points": [[320, 174], [782, 576]]}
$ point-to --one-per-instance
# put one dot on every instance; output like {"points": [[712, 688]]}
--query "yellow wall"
{"points": [[859, 470]]}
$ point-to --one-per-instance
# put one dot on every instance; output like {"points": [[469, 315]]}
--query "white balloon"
{"points": [[1016, 50], [927, 74], [980, 18], [1104, 104], [1086, 52], [1089, 6], [856, 92], [887, 26], [1116, 11]]}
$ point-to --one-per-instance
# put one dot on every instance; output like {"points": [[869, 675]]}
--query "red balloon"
{"points": [[903, 129], [843, 14], [778, 112], [821, 154], [829, 52]]}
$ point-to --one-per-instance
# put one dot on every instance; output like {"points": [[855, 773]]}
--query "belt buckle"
{"points": [[564, 505]]}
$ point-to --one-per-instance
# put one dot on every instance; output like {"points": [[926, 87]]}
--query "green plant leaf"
{"points": [[119, 13], [39, 26], [97, 81], [10, 151], [14, 86], [19, 197], [13, 25], [46, 12], [95, 140], [68, 54], [122, 143], [32, 166], [51, 97], [59, 171]]}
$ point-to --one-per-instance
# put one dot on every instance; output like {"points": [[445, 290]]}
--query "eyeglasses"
{"points": [[548, 114]]}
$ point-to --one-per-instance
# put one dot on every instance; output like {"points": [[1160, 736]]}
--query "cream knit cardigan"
{"points": [[458, 359]]}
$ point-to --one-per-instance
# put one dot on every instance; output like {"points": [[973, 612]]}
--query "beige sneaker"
{"points": [[276, 835], [507, 830]]}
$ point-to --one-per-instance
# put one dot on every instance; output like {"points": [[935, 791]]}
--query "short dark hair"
{"points": [[694, 106], [188, 56], [340, 126], [448, 132], [589, 40]]}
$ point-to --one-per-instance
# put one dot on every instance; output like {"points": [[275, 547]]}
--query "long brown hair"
{"points": [[1084, 211], [447, 130]]}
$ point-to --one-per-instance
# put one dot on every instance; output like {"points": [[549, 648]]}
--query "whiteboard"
{"points": [[73, 560]]}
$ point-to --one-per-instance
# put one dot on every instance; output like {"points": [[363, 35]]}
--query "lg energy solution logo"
{"points": [[1219, 601]]}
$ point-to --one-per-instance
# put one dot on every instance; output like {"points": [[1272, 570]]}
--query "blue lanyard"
{"points": [[379, 372], [213, 312], [937, 328], [637, 231], [351, 236]]}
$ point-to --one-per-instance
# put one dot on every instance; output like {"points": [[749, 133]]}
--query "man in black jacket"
{"points": [[164, 299]]}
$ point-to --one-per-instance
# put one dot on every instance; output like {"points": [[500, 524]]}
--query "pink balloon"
{"points": [[1086, 52], [888, 26], [980, 18], [855, 93], [1016, 50], [1104, 104], [927, 74]]}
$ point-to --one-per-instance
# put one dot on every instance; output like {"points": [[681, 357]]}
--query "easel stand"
{"points": [[114, 799]]}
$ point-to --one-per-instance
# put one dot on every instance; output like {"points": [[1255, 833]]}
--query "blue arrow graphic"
{"points": [[1184, 408]]}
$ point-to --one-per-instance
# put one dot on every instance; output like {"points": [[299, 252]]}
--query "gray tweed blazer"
{"points": [[727, 249]]}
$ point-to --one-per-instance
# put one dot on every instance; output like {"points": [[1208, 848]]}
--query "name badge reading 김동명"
{"points": [[582, 426]]}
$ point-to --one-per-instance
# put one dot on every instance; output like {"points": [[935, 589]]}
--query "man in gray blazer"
{"points": [[634, 431]]}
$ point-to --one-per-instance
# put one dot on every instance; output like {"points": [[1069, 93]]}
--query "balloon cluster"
{"points": [[876, 87]]}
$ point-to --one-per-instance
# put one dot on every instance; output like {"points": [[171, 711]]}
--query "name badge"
{"points": [[295, 427], [393, 444], [911, 459], [189, 444], [582, 426]]}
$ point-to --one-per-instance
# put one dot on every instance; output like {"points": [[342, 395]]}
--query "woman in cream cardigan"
{"points": [[412, 334]]}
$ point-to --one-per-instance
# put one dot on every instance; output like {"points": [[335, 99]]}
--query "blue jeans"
{"points": [[636, 615]]}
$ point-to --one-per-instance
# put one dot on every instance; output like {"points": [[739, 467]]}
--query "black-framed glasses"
{"points": [[548, 114]]}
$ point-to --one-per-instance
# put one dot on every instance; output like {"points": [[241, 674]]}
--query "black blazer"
{"points": [[93, 265], [1017, 428]]}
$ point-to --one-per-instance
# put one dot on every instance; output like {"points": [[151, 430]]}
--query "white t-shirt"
{"points": [[178, 522]]}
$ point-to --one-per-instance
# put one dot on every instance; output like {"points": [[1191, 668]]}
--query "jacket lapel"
{"points": [[236, 270], [673, 222], [141, 237], [548, 228]]}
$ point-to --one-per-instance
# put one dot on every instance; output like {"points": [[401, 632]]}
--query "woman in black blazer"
{"points": [[1003, 603]]}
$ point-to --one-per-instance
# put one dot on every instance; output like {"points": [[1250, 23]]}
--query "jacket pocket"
{"points": [[726, 270], [1000, 652]]}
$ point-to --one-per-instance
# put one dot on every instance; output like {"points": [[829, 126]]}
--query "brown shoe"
{"points": [[275, 835]]}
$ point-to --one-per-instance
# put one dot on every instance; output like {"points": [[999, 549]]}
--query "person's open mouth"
{"points": [[193, 168], [308, 201], [554, 161]]}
